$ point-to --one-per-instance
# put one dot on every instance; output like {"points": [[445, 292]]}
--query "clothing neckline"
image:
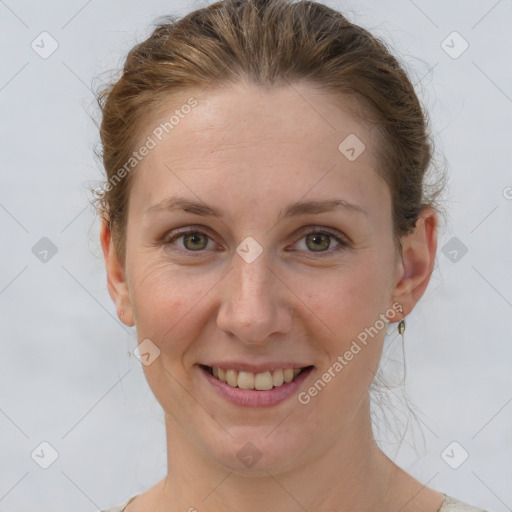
{"points": [[446, 501]]}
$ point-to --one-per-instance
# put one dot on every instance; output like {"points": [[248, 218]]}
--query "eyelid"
{"points": [[342, 240], [175, 233], [311, 229]]}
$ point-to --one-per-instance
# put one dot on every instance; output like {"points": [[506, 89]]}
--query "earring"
{"points": [[401, 330], [401, 325]]}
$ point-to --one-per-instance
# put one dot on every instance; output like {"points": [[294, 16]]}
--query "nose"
{"points": [[255, 302]]}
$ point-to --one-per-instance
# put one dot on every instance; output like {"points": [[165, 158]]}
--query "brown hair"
{"points": [[270, 42]]}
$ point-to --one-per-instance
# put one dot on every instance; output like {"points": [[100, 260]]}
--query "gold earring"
{"points": [[401, 325]]}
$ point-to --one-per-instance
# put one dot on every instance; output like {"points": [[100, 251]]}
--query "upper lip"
{"points": [[255, 368]]}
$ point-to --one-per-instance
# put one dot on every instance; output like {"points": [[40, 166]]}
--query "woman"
{"points": [[266, 216]]}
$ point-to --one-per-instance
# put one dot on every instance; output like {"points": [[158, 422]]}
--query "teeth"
{"points": [[245, 380], [232, 377], [288, 374], [260, 381], [277, 378], [263, 381]]}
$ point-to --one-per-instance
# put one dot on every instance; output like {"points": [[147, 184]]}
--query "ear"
{"points": [[117, 286], [416, 262]]}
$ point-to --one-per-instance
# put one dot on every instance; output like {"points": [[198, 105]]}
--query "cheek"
{"points": [[168, 303], [350, 309], [349, 301]]}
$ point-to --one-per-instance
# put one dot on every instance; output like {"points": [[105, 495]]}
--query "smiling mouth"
{"points": [[264, 381]]}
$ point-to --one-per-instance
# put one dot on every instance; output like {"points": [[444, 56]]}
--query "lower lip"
{"points": [[255, 398]]}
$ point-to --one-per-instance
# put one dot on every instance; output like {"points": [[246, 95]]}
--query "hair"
{"points": [[269, 43]]}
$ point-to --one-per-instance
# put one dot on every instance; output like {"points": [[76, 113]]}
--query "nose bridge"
{"points": [[252, 281], [253, 303]]}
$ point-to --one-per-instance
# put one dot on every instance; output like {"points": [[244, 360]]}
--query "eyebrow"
{"points": [[295, 209]]}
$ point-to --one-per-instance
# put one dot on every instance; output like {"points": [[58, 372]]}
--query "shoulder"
{"points": [[121, 507], [453, 505]]}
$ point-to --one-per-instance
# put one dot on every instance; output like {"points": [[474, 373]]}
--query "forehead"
{"points": [[293, 137], [240, 111]]}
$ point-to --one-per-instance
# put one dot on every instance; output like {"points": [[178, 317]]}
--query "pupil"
{"points": [[318, 239], [195, 238]]}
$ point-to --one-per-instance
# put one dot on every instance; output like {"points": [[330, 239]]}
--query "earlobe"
{"points": [[418, 258], [116, 281]]}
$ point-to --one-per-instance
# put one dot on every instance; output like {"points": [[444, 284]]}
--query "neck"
{"points": [[350, 474]]}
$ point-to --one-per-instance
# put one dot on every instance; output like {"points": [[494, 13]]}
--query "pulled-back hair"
{"points": [[270, 43]]}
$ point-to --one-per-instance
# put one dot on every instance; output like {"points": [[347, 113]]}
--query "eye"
{"points": [[321, 241], [191, 240], [318, 241]]}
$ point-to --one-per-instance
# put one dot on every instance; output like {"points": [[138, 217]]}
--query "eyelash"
{"points": [[343, 243]]}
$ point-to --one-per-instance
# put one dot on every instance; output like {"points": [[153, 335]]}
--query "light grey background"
{"points": [[67, 374]]}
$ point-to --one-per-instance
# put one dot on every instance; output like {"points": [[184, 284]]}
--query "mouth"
{"points": [[262, 381]]}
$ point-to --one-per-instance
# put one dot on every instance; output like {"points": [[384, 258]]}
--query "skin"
{"points": [[250, 152]]}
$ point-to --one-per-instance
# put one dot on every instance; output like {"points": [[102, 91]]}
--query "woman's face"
{"points": [[254, 174]]}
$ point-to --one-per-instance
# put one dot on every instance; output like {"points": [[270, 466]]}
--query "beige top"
{"points": [[449, 505]]}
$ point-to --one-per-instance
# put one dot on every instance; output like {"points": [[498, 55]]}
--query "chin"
{"points": [[257, 451]]}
